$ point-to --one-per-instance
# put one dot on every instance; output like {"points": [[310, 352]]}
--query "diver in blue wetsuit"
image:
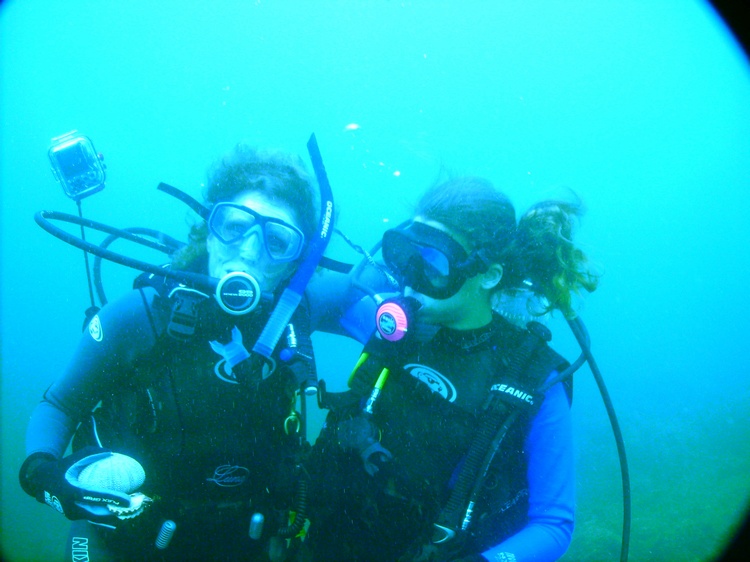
{"points": [[454, 440], [161, 387]]}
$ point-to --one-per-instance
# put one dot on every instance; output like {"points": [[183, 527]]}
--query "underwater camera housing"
{"points": [[76, 165]]}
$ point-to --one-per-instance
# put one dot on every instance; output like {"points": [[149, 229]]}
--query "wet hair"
{"points": [[538, 249], [279, 176]]}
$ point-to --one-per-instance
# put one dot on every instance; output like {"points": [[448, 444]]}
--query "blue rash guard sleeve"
{"points": [[115, 337], [551, 478]]}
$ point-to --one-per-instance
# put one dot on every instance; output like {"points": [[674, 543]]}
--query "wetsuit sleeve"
{"points": [[339, 305], [326, 292], [119, 334], [551, 478]]}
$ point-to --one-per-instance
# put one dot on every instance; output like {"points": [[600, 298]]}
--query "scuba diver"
{"points": [[186, 445], [453, 442]]}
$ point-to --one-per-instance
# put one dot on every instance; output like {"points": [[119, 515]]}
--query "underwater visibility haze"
{"points": [[641, 108]]}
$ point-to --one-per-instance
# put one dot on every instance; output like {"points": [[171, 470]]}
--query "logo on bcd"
{"points": [[224, 372], [229, 476], [436, 382], [95, 328]]}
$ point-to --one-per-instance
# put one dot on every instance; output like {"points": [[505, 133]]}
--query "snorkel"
{"points": [[292, 294]]}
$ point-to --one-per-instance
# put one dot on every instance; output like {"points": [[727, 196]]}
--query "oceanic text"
{"points": [[327, 220], [514, 392]]}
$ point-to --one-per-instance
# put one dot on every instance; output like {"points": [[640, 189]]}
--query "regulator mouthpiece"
{"points": [[395, 317], [238, 293]]}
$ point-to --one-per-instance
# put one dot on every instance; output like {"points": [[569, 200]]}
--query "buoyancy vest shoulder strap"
{"points": [[513, 394], [182, 302], [529, 364]]}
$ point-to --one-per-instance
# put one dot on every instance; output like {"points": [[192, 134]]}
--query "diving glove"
{"points": [[92, 483]]}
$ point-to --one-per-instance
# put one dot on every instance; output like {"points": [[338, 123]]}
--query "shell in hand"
{"points": [[116, 472], [138, 502]]}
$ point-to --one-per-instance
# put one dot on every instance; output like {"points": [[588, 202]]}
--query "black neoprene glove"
{"points": [[55, 482]]}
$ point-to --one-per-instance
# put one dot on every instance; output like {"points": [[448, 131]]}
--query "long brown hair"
{"points": [[539, 248]]}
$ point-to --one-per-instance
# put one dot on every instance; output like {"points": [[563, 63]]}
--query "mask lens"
{"points": [[230, 224], [424, 268], [282, 242], [399, 253], [436, 266]]}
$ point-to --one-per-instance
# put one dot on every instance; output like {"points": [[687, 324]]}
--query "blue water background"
{"points": [[643, 108]]}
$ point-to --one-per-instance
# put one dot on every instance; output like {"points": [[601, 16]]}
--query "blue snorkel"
{"points": [[292, 294]]}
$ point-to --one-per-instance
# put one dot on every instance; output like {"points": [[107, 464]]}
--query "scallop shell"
{"points": [[138, 502], [116, 472]]}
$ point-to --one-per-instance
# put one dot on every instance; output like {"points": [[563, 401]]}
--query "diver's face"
{"points": [[249, 255], [468, 308]]}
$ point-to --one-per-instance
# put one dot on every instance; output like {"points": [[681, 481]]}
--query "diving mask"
{"points": [[429, 260], [232, 223]]}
